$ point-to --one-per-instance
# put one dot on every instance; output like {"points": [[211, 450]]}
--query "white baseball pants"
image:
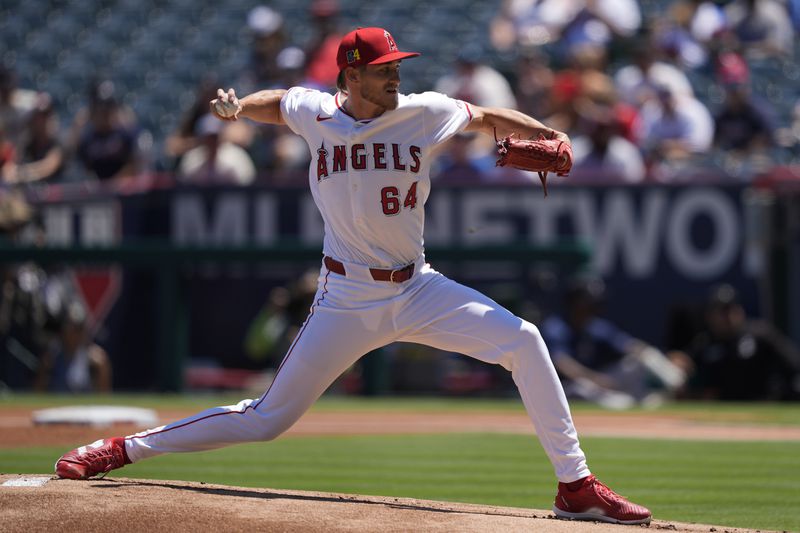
{"points": [[353, 315]]}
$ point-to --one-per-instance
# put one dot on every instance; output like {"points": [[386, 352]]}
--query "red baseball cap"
{"points": [[368, 46]]}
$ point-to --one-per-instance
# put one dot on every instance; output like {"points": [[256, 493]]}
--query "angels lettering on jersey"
{"points": [[367, 157], [369, 178]]}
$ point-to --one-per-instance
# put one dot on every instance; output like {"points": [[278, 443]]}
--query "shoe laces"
{"points": [[606, 493], [104, 455]]}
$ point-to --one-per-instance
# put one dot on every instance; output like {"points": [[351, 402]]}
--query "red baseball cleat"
{"points": [[98, 457], [594, 501]]}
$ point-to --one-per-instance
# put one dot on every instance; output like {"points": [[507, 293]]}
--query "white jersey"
{"points": [[370, 178]]}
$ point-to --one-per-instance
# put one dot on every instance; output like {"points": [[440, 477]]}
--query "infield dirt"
{"points": [[17, 429]]}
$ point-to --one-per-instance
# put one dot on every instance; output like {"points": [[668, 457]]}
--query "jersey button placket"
{"points": [[358, 207], [355, 196]]}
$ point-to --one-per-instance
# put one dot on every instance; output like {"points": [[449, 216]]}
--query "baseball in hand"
{"points": [[224, 108]]}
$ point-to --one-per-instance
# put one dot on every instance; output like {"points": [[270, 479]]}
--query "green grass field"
{"points": [[730, 412], [740, 484]]}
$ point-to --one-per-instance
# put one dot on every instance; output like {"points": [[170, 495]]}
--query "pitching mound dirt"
{"points": [[121, 504]]}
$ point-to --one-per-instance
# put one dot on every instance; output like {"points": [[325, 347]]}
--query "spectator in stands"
{"points": [[108, 147], [763, 27], [685, 34], [596, 23], [268, 38], [705, 20], [291, 61], [600, 362], [597, 88], [534, 83], [740, 359], [289, 152], [321, 70], [637, 83], [22, 310], [528, 23], [601, 153], [273, 148], [472, 80], [674, 129], [215, 160], [15, 104], [184, 139], [41, 154], [745, 123], [73, 362], [98, 91], [584, 77]]}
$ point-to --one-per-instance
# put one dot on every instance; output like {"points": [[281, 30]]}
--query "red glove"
{"points": [[541, 155]]}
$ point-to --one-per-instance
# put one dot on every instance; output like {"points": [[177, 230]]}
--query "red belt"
{"points": [[378, 274]]}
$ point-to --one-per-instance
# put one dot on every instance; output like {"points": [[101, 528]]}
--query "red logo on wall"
{"points": [[99, 288]]}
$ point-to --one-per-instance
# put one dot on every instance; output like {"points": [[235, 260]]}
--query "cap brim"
{"points": [[393, 56]]}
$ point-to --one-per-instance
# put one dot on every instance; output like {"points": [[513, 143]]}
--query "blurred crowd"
{"points": [[716, 353], [672, 98], [697, 93]]}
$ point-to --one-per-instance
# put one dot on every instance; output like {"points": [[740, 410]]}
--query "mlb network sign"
{"points": [[697, 232]]}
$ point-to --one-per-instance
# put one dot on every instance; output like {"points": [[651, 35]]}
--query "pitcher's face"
{"points": [[380, 84]]}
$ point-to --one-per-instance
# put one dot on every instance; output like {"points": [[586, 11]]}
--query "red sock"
{"points": [[125, 452], [575, 485]]}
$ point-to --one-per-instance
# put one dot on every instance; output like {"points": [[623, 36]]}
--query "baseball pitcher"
{"points": [[371, 148]]}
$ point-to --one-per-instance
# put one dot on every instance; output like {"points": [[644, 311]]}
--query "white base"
{"points": [[96, 415], [26, 482]]}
